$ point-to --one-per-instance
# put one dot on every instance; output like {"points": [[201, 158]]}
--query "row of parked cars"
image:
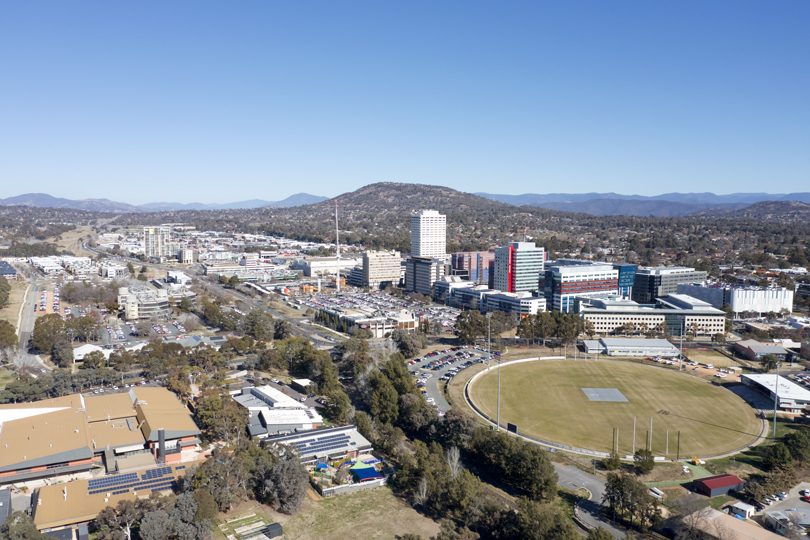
{"points": [[803, 378]]}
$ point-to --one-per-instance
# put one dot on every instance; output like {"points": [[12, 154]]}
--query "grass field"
{"points": [[72, 241], [376, 513], [545, 399], [708, 356]]}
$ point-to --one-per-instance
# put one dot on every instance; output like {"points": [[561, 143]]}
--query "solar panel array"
{"points": [[118, 484], [322, 444]]}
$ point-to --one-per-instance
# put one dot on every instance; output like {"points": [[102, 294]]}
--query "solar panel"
{"points": [[155, 479]]}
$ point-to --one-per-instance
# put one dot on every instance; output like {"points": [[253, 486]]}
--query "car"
{"points": [[806, 498], [804, 492]]}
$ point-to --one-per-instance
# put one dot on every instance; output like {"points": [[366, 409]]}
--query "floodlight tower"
{"points": [[337, 248]]}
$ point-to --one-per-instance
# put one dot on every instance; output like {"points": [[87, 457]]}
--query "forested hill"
{"points": [[378, 216]]}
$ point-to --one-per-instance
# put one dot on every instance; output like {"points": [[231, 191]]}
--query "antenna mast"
{"points": [[337, 245]]}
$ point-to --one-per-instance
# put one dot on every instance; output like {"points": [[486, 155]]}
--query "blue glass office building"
{"points": [[627, 276]]}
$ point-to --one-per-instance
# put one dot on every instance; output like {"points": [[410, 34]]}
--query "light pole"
{"points": [[775, 399], [489, 352]]}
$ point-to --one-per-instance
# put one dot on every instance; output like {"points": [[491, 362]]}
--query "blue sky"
{"points": [[221, 101]]}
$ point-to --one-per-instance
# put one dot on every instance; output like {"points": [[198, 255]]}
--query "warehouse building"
{"points": [[721, 484], [80, 432], [631, 347], [756, 350], [791, 397]]}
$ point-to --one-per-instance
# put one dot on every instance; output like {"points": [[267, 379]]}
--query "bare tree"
{"points": [[453, 458], [420, 496]]}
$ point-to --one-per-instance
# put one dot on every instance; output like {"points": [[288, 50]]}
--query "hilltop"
{"points": [[378, 215]]}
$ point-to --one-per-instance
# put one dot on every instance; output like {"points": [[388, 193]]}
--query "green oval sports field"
{"points": [[546, 400]]}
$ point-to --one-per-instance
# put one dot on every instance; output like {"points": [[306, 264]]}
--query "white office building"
{"points": [[157, 242], [381, 268], [672, 315], [428, 234], [519, 303], [757, 300]]}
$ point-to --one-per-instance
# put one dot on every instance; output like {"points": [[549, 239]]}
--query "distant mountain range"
{"points": [[664, 205], [595, 204], [43, 200]]}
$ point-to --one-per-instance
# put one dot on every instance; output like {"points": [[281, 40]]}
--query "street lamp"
{"points": [[775, 399]]}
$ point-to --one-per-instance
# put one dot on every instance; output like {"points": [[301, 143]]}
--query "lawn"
{"points": [[11, 312], [6, 377], [709, 356], [545, 399], [376, 513]]}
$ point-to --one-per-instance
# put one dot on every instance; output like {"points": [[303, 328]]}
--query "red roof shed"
{"points": [[717, 485]]}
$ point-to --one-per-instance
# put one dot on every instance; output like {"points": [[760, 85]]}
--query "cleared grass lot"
{"points": [[376, 513], [708, 356], [546, 401]]}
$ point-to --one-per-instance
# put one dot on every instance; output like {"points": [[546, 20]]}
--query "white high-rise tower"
{"points": [[428, 234]]}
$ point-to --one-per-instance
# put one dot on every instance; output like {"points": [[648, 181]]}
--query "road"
{"points": [[589, 511], [27, 319]]}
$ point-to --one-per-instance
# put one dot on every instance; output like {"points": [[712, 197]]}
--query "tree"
{"points": [[258, 325], [626, 496], [644, 461], [470, 325], [5, 291], [285, 484], [62, 353], [383, 399], [534, 521], [798, 442], [769, 362], [8, 341], [93, 360], [777, 456], [185, 305], [612, 462], [220, 417], [20, 526], [119, 519], [48, 329], [409, 344], [156, 525]]}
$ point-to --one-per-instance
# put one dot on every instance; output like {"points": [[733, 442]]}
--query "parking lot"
{"points": [[373, 303], [802, 378], [437, 367], [795, 504]]}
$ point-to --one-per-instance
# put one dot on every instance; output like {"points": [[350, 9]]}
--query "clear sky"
{"points": [[221, 101]]}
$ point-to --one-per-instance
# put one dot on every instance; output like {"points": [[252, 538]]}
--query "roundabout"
{"points": [[586, 405]]}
